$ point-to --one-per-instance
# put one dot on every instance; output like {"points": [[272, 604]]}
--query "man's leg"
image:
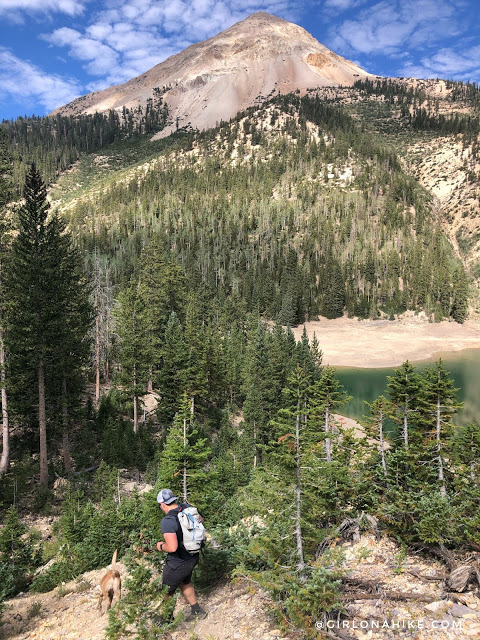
{"points": [[189, 593], [196, 611]]}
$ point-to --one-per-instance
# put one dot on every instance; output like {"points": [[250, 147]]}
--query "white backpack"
{"points": [[193, 531]]}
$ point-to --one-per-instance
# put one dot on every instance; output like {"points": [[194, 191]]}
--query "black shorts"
{"points": [[177, 572]]}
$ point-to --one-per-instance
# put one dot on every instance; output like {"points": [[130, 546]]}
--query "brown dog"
{"points": [[110, 585]]}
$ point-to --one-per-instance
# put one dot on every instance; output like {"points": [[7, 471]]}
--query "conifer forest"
{"points": [[148, 294]]}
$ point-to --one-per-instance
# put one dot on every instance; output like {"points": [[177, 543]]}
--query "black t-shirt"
{"points": [[170, 524]]}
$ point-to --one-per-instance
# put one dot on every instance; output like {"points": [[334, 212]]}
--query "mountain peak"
{"points": [[262, 16], [214, 79]]}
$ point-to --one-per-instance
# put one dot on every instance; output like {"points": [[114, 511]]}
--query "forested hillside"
{"points": [[54, 143], [292, 207], [145, 327]]}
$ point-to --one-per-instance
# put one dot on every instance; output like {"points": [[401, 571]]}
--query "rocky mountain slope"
{"points": [[410, 602], [213, 80]]}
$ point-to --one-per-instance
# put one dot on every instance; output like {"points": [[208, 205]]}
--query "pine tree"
{"points": [[6, 194], [49, 315], [258, 407], [164, 291], [102, 299], [172, 374], [134, 344], [72, 346], [197, 353], [440, 404], [183, 460], [327, 396], [466, 446], [374, 424], [404, 390], [291, 450], [460, 296]]}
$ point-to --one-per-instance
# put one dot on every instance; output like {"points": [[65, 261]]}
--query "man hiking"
{"points": [[179, 564]]}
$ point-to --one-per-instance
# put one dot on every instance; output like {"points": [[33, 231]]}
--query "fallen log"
{"points": [[389, 595], [372, 585], [460, 578], [422, 576], [461, 575]]}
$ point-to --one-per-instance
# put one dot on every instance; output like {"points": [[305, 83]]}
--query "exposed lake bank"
{"points": [[387, 343]]}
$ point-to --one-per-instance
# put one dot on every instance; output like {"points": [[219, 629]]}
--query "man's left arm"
{"points": [[171, 543]]}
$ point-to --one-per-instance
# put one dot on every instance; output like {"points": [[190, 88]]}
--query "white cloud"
{"points": [[21, 80], [14, 8], [342, 5], [389, 27], [446, 63], [99, 57], [131, 36]]}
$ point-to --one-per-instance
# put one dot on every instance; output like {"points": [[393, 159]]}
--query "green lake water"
{"points": [[368, 384]]}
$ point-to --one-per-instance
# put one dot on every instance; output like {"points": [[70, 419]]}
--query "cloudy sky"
{"points": [[52, 51]]}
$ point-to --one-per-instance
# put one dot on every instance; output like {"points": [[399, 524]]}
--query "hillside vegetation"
{"points": [[145, 326], [291, 206]]}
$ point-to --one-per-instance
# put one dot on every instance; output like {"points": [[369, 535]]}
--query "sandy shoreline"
{"points": [[383, 343]]}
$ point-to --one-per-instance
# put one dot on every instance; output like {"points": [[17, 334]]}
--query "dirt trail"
{"points": [[70, 613], [238, 611], [384, 343]]}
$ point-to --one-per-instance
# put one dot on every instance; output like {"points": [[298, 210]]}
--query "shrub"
{"points": [[19, 554], [144, 604]]}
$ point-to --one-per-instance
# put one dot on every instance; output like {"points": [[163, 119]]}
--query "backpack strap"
{"points": [[179, 529]]}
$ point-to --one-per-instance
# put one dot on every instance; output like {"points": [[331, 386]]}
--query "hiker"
{"points": [[180, 563]]}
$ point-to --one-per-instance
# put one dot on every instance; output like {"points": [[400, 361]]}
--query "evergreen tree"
{"points": [[375, 425], [183, 462], [258, 407], [460, 295], [440, 405], [404, 390], [6, 194], [466, 446], [72, 347], [102, 299], [196, 339], [172, 374], [291, 451], [327, 396], [134, 346], [164, 291], [46, 321]]}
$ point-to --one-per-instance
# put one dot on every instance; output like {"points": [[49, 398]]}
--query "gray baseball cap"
{"points": [[166, 496]]}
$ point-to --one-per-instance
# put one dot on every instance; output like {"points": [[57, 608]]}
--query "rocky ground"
{"points": [[382, 561], [241, 612], [70, 613]]}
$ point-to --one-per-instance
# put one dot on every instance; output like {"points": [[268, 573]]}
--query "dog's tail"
{"points": [[114, 559]]}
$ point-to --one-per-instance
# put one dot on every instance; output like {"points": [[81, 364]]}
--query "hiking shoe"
{"points": [[199, 614]]}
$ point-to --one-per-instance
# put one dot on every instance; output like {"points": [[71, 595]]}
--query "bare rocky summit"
{"points": [[213, 80]]}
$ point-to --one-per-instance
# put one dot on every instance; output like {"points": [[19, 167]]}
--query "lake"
{"points": [[368, 384]]}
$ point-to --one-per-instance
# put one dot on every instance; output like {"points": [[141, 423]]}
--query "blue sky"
{"points": [[52, 51]]}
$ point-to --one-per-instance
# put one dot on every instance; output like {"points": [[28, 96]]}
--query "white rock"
{"points": [[437, 605]]}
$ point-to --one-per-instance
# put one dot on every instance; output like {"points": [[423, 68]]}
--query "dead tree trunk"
{"points": [[405, 425], [5, 461], [42, 423], [298, 492], [97, 361], [382, 447], [441, 479], [328, 441], [67, 460], [135, 413], [185, 492]]}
